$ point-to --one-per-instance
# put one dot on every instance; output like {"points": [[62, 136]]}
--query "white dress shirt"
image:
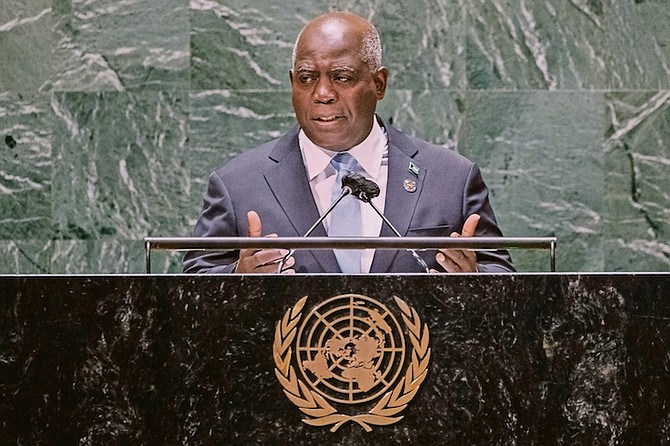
{"points": [[372, 158]]}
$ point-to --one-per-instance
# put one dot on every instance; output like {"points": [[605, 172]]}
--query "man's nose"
{"points": [[324, 92]]}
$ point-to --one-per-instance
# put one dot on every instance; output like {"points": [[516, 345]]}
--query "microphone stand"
{"points": [[359, 186], [346, 190]]}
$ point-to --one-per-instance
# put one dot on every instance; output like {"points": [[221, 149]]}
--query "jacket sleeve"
{"points": [[476, 201], [217, 219]]}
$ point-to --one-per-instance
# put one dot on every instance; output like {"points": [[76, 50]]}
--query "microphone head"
{"points": [[360, 187]]}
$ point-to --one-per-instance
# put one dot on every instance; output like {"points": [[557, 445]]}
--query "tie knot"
{"points": [[343, 162]]}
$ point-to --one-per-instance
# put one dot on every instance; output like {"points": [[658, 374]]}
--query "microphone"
{"points": [[360, 187]]}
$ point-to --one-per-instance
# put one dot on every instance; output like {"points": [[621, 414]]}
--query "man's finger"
{"points": [[470, 226], [254, 222]]}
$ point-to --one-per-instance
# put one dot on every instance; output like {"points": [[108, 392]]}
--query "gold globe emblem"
{"points": [[350, 349], [352, 357]]}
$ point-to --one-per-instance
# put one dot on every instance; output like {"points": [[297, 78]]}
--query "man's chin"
{"points": [[334, 141]]}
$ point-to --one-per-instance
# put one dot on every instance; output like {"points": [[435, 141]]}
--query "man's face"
{"points": [[334, 92]]}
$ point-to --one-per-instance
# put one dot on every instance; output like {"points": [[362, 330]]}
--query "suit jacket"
{"points": [[272, 181]]}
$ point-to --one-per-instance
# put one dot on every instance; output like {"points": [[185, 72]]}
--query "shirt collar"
{"points": [[368, 153]]}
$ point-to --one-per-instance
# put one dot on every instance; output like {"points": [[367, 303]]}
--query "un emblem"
{"points": [[352, 357]]}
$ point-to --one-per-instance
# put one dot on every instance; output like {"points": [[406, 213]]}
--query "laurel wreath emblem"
{"points": [[320, 411]]}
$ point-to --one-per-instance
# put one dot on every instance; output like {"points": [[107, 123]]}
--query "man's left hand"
{"points": [[459, 260]]}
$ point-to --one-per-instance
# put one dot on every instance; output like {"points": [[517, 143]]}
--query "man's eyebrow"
{"points": [[342, 70], [304, 68], [308, 69]]}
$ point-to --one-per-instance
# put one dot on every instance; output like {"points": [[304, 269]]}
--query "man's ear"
{"points": [[290, 76], [380, 78]]}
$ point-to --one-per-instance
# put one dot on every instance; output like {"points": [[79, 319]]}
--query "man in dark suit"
{"points": [[282, 187]]}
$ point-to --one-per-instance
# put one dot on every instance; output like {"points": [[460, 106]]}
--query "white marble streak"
{"points": [[23, 108], [18, 22], [92, 71], [125, 178], [652, 160], [64, 116], [165, 58], [20, 257], [218, 99], [119, 7], [657, 249], [76, 257], [242, 112], [661, 57], [659, 209], [65, 252], [490, 48], [208, 93], [254, 35], [165, 112], [24, 168], [18, 221], [105, 45], [405, 107], [530, 222], [639, 57], [536, 47], [529, 45], [583, 7], [655, 103], [572, 207], [577, 217], [22, 183], [441, 57], [91, 179], [213, 6], [254, 66]]}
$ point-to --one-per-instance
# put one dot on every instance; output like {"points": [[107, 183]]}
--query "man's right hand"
{"points": [[262, 261]]}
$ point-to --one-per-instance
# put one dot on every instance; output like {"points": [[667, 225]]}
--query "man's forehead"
{"points": [[335, 26], [314, 47], [329, 56]]}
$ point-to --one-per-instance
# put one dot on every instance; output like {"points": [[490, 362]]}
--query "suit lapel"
{"points": [[400, 203], [289, 183]]}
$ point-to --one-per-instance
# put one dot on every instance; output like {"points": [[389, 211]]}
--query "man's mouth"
{"points": [[327, 118]]}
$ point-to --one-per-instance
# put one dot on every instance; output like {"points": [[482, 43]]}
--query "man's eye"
{"points": [[343, 78], [306, 79]]}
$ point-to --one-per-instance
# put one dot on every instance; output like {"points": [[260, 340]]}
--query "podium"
{"points": [[182, 359]]}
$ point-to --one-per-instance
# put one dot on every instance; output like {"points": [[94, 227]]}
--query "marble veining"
{"points": [[25, 168], [638, 147]]}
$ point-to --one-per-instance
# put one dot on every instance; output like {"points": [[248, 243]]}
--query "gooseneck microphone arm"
{"points": [[365, 190], [346, 190]]}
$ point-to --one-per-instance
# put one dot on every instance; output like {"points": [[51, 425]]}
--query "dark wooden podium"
{"points": [[518, 359]]}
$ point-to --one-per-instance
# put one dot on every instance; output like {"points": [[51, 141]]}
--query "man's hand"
{"points": [[262, 261], [459, 260]]}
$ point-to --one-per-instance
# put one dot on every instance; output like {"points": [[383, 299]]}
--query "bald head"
{"points": [[337, 80], [336, 25]]}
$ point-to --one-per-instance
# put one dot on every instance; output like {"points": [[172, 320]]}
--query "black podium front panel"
{"points": [[511, 359]]}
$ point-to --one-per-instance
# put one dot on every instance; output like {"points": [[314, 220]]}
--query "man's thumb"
{"points": [[254, 222], [470, 226]]}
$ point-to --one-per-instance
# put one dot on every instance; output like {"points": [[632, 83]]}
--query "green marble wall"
{"points": [[112, 114]]}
